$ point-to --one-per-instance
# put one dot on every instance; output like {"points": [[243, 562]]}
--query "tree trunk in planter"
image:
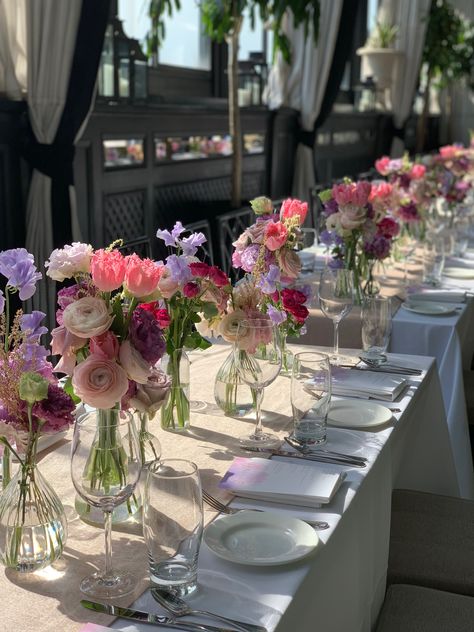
{"points": [[234, 113], [423, 119]]}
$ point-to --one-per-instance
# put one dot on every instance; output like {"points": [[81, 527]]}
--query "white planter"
{"points": [[379, 63]]}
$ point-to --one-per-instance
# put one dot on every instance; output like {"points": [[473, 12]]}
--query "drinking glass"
{"points": [[376, 318], [258, 367], [172, 524], [105, 468], [310, 396], [433, 260], [336, 300]]}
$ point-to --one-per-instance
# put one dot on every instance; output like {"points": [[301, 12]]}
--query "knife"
{"points": [[148, 617], [322, 458]]}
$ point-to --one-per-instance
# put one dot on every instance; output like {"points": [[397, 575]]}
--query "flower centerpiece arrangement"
{"points": [[33, 526], [360, 228], [191, 290]]}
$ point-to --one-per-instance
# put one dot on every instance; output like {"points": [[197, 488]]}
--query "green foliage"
{"points": [[449, 45], [383, 36], [156, 11]]}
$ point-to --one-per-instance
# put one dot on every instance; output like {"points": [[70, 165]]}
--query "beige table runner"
{"points": [[49, 600]]}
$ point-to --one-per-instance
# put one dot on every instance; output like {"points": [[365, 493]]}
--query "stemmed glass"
{"points": [[105, 468], [257, 353], [336, 300]]}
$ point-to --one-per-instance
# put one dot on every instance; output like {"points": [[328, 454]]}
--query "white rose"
{"points": [[87, 317]]}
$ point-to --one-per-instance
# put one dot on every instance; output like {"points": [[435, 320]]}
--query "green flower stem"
{"points": [[6, 467]]}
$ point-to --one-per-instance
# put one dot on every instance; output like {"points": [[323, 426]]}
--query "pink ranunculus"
{"points": [[352, 217], [382, 165], [133, 363], [65, 344], [290, 264], [87, 317], [167, 285], [108, 269], [99, 382], [275, 235], [106, 345], [388, 227], [191, 289], [149, 397], [417, 172], [294, 208], [360, 193], [142, 276], [218, 277], [199, 269]]}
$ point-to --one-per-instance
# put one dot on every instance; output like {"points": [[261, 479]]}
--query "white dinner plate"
{"points": [[358, 414], [260, 538], [429, 308], [459, 273]]}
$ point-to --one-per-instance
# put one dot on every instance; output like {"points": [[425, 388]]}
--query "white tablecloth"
{"points": [[340, 587]]}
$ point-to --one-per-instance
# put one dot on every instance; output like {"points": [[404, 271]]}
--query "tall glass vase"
{"points": [[33, 525], [175, 411], [231, 393], [105, 419]]}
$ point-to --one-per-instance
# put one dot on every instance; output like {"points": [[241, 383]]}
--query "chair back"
{"points": [[140, 245]]}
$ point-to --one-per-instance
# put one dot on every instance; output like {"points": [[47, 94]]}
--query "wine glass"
{"points": [[336, 300], [257, 354], [105, 468]]}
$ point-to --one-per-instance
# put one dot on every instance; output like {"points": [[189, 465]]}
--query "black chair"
{"points": [[140, 245], [229, 227], [203, 226]]}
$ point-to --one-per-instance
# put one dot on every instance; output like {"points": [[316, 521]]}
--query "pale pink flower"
{"points": [[106, 345], [167, 285], [276, 234], [133, 363], [342, 193], [87, 317], [69, 261], [230, 323], [108, 269], [417, 172], [290, 263], [294, 208], [382, 165], [149, 397], [65, 344], [99, 382], [142, 276], [352, 217]]}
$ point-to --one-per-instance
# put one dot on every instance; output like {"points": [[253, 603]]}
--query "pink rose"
{"points": [[108, 269], [142, 276], [382, 165], [294, 208], [275, 235], [105, 346], [87, 317], [417, 172], [199, 269], [190, 290], [99, 382], [149, 397], [133, 363], [65, 344], [218, 277], [290, 264], [167, 285]]}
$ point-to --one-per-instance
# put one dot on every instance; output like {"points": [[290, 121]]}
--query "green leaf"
{"points": [[325, 195], [68, 388], [209, 310]]}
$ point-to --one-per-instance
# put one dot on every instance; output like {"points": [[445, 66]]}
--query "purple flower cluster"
{"points": [[189, 245], [378, 247], [56, 411], [18, 266], [408, 213], [147, 336]]}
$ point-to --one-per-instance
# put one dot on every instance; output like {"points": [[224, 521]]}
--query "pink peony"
{"points": [[100, 383], [382, 165], [417, 172], [275, 235], [218, 277], [142, 276], [199, 269], [105, 346], [108, 269], [190, 290], [87, 317], [294, 208]]}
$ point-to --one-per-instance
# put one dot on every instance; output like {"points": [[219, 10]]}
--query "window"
{"points": [[120, 152]]}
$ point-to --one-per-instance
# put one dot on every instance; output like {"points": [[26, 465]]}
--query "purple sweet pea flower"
{"points": [[17, 265], [191, 244], [147, 336], [179, 269], [326, 237], [34, 356], [2, 302], [330, 207], [276, 316], [249, 256], [267, 282], [30, 324], [171, 238]]}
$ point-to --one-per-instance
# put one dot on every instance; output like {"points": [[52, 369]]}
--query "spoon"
{"points": [[376, 364], [177, 606], [305, 449]]}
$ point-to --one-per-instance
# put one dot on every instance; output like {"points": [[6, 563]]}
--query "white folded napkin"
{"points": [[444, 296]]}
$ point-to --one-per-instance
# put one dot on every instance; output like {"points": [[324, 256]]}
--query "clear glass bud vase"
{"points": [[232, 395], [150, 446], [287, 356], [175, 411], [33, 525]]}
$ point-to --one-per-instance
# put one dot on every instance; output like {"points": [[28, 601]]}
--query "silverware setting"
{"points": [[313, 456], [386, 368], [225, 509], [148, 617], [306, 449], [179, 608]]}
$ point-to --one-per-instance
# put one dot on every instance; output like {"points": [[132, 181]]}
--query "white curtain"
{"points": [[51, 27], [13, 48], [302, 84], [411, 18]]}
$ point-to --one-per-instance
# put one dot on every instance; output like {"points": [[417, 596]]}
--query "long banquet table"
{"points": [[339, 587]]}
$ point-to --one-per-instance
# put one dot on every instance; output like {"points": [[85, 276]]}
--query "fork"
{"points": [[305, 449], [225, 509]]}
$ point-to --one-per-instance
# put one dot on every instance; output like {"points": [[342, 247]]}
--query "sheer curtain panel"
{"points": [[13, 49]]}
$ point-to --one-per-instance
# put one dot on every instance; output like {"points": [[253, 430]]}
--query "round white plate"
{"points": [[358, 414], [260, 538], [459, 273], [429, 308]]}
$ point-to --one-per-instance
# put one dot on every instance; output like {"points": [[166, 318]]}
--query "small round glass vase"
{"points": [[232, 395], [33, 525]]}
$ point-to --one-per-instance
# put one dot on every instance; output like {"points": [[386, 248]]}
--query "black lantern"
{"points": [[123, 70], [252, 78]]}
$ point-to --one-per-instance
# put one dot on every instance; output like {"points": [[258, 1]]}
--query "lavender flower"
{"points": [[276, 316], [267, 282], [191, 244], [249, 256], [30, 324], [326, 237], [17, 265], [171, 239], [179, 269]]}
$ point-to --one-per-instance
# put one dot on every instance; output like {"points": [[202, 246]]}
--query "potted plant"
{"points": [[223, 22], [379, 59]]}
